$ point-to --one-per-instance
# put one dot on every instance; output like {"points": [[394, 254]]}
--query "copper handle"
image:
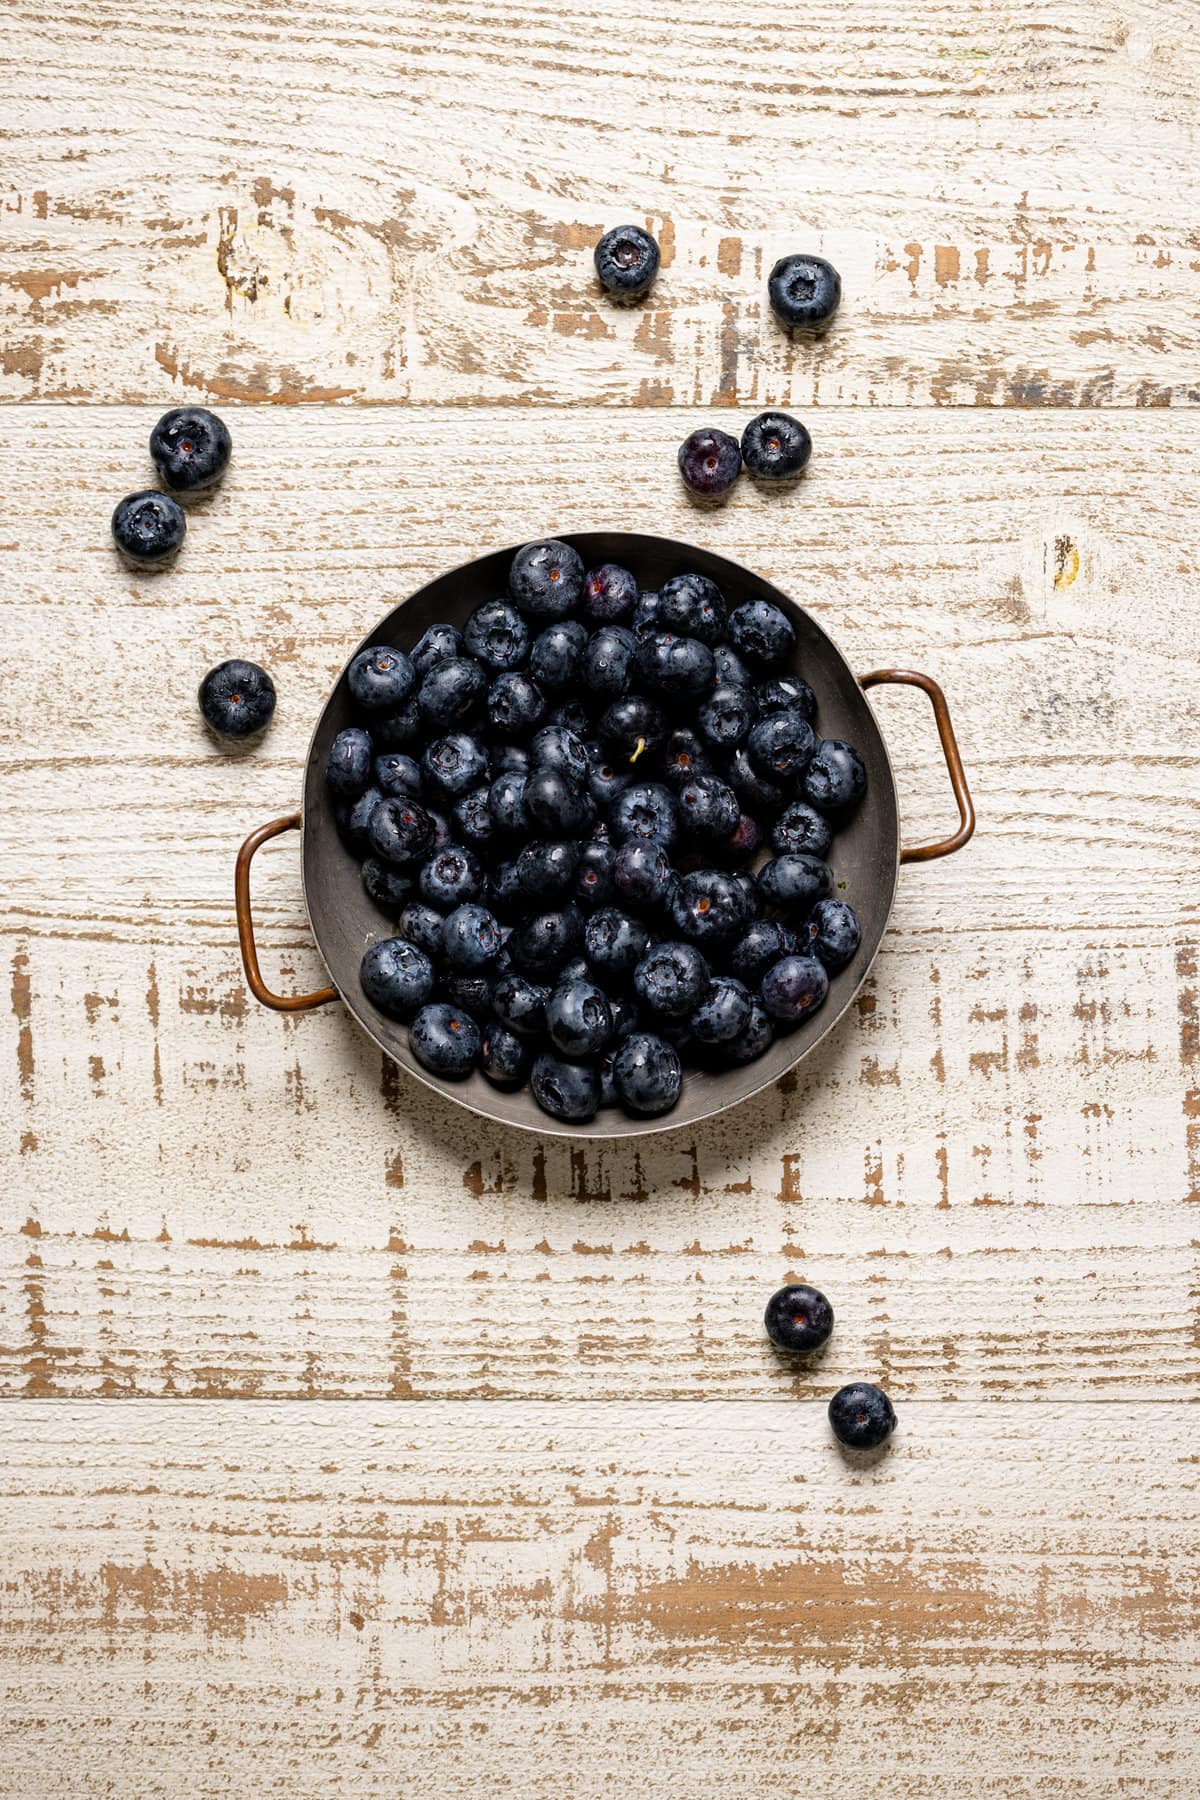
{"points": [[245, 925], [958, 780]]}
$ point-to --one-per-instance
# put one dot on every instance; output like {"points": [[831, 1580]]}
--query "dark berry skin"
{"points": [[503, 1057], [401, 830], [403, 729], [446, 1040], [578, 1020], [804, 292], [832, 933], [191, 448], [380, 679], [471, 820], [794, 882], [631, 730], [756, 793], [626, 260], [798, 1318], [861, 1416], [645, 616], [743, 842], [453, 764], [555, 654], [724, 1014], [471, 938], [354, 817], [692, 606], [396, 774], [497, 635], [793, 988], [775, 447], [731, 671], [555, 747], [148, 527], [801, 827], [508, 759], [604, 781], [422, 926], [609, 594], [683, 757], [439, 644], [396, 977], [781, 746], [451, 877], [546, 941], [594, 875], [568, 1091], [835, 779], [646, 811], [671, 980], [572, 716], [642, 873], [576, 969], [614, 944], [707, 907], [786, 693], [604, 670], [647, 1074], [725, 719], [751, 1043], [760, 945], [546, 579], [515, 704], [681, 668], [503, 891], [710, 461], [520, 1004], [389, 888], [506, 803], [708, 808], [471, 991], [452, 693], [237, 699], [546, 869], [555, 803], [348, 765], [762, 636]]}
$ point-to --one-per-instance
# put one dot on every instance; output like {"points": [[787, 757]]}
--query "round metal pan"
{"points": [[866, 854]]}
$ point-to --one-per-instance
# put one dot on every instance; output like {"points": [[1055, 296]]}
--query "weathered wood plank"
{"points": [[327, 203], [993, 1169], [594, 1599]]}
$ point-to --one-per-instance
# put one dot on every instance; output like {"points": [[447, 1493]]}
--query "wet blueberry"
{"points": [[726, 717], [692, 606], [555, 655], [645, 810], [508, 759], [380, 679], [594, 875], [452, 693], [571, 715], [647, 1074], [454, 764], [191, 448], [794, 987], [671, 979], [503, 891], [729, 668], [388, 887], [446, 1040], [441, 643], [354, 817], [680, 668], [752, 1042], [471, 937], [724, 1014], [568, 1091], [451, 877], [710, 461], [578, 1020], [470, 989], [396, 977], [832, 933], [783, 693], [626, 260], [614, 943], [555, 803], [708, 808], [775, 447], [604, 670], [556, 747], [804, 292], [348, 765], [642, 873], [503, 1056], [683, 756], [861, 1416], [471, 820], [401, 830], [798, 1318], [546, 869], [148, 527], [605, 780], [762, 636], [521, 1004], [403, 729], [631, 729], [760, 945], [497, 635], [794, 881], [546, 579], [422, 926], [781, 746], [546, 941], [743, 842], [396, 774], [801, 827], [506, 803], [707, 907], [237, 699], [609, 594], [645, 616], [515, 704], [755, 792], [835, 779]]}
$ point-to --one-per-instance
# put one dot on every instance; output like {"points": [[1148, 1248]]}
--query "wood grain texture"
{"points": [[578, 1599], [398, 203], [994, 1166]]}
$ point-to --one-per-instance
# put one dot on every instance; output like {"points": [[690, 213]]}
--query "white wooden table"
{"points": [[351, 1447]]}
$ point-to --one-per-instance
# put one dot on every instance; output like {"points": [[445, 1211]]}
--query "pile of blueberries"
{"points": [[600, 821]]}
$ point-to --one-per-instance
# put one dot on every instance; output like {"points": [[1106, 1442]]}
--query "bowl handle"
{"points": [[245, 924], [958, 781]]}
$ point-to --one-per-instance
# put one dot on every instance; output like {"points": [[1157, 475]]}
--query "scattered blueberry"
{"points": [[775, 447], [446, 1040], [237, 698], [397, 977], [626, 261], [710, 461], [798, 1318], [191, 448], [804, 292], [148, 527], [861, 1416]]}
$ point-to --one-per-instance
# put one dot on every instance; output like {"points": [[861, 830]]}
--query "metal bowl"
{"points": [[866, 856]]}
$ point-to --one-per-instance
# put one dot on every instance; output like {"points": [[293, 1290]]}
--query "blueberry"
{"points": [[624, 1009], [555, 654], [604, 780], [555, 803], [642, 873], [645, 810], [726, 717], [609, 594], [754, 791], [614, 944], [604, 669], [804, 292], [515, 704], [452, 693], [604, 1072], [743, 842], [454, 764], [546, 579], [861, 1416], [760, 945], [775, 447], [832, 933], [451, 877], [710, 461], [520, 1004], [632, 728], [679, 667], [626, 261], [441, 828], [671, 979], [683, 757], [794, 987], [148, 527], [578, 1020], [794, 881], [647, 1074], [396, 774], [506, 803], [441, 643], [835, 779], [574, 969], [546, 941], [707, 907], [497, 635], [508, 759], [724, 1014], [446, 1040], [572, 716], [751, 897], [798, 1318], [692, 606], [645, 616], [783, 693], [237, 699], [503, 1057], [471, 819], [470, 989], [399, 730], [389, 888], [380, 679], [566, 1090], [348, 765], [401, 830], [354, 818], [546, 868], [781, 746], [396, 977], [471, 937], [594, 875], [190, 447], [554, 747], [801, 827], [503, 891], [422, 926], [708, 807], [752, 1042], [763, 636], [731, 671]]}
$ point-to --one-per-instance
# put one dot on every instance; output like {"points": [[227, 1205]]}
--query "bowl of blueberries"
{"points": [[599, 836]]}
